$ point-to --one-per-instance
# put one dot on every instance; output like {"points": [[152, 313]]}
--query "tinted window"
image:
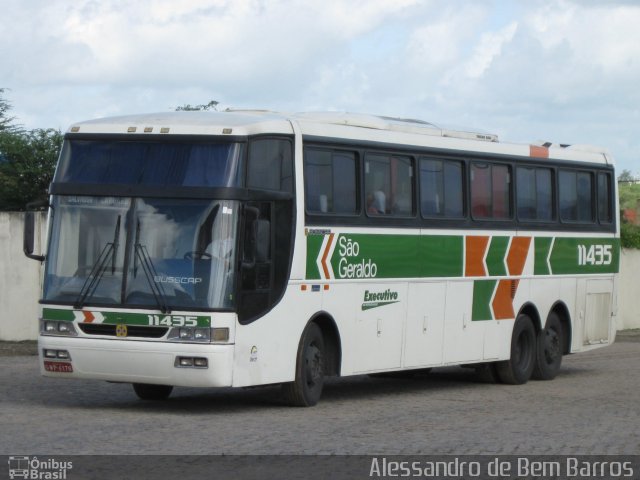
{"points": [[330, 181], [270, 165], [575, 195], [441, 188], [490, 191], [151, 163], [388, 184], [535, 194], [604, 197]]}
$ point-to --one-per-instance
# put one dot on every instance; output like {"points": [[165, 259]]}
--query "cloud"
{"points": [[564, 70]]}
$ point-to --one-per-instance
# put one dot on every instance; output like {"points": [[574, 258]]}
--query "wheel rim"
{"points": [[551, 346], [313, 365]]}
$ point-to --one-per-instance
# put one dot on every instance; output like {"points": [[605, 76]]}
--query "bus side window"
{"points": [[388, 183], [441, 187], [270, 165], [490, 191], [535, 194], [330, 182], [575, 194], [480, 190], [604, 198]]}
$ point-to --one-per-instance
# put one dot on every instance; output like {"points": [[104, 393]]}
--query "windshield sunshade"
{"points": [[150, 163]]}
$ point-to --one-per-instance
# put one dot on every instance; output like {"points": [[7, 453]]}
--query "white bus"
{"points": [[241, 248]]}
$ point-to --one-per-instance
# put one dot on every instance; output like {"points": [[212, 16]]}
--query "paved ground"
{"points": [[591, 408]]}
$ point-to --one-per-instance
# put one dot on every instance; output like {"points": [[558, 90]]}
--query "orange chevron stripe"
{"points": [[517, 255], [475, 248], [503, 300], [324, 256], [88, 316]]}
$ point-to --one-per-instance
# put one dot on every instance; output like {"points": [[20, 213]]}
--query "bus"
{"points": [[246, 248]]}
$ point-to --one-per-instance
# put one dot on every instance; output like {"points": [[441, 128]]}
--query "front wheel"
{"points": [[549, 351], [517, 370], [306, 389], [147, 391]]}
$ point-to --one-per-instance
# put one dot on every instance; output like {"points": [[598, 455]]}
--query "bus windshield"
{"points": [[161, 253]]}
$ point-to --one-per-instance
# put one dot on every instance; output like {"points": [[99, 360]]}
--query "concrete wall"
{"points": [[629, 290], [21, 281]]}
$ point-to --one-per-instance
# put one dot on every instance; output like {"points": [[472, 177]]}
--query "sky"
{"points": [[564, 71]]}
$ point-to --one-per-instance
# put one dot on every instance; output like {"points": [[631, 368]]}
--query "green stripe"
{"points": [[441, 256], [600, 255], [370, 305], [542, 246], [128, 318], [314, 244], [482, 293], [115, 318], [56, 314], [389, 256], [428, 256], [495, 256]]}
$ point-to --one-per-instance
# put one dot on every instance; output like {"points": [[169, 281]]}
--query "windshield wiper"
{"points": [[142, 255], [100, 266]]}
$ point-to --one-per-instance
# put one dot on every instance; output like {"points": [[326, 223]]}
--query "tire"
{"points": [[147, 391], [306, 390], [518, 369], [549, 350]]}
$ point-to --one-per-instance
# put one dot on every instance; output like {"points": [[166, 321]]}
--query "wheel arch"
{"points": [[332, 342], [531, 311]]}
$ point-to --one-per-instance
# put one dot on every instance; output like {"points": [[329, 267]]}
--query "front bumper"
{"points": [[134, 361]]}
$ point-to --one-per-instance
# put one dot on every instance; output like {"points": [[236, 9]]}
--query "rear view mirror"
{"points": [[28, 241]]}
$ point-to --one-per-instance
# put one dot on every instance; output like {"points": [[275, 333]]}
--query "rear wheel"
{"points": [[147, 391], [517, 370], [306, 389], [549, 350]]}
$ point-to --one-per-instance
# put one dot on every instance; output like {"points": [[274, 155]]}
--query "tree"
{"points": [[193, 108], [27, 163], [626, 176], [5, 120]]}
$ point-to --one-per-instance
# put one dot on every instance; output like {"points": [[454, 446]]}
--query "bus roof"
{"points": [[339, 125]]}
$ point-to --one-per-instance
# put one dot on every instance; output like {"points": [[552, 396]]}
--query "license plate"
{"points": [[61, 367]]}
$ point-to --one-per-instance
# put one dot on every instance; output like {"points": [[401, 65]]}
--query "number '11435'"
{"points": [[594, 255]]}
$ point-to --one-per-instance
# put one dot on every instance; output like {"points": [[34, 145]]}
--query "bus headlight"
{"points": [[52, 327], [65, 327], [190, 334]]}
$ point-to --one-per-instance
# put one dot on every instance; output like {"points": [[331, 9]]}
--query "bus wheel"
{"points": [[146, 391], [518, 368], [549, 351], [305, 391]]}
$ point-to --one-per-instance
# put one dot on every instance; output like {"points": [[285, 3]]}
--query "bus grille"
{"points": [[132, 330]]}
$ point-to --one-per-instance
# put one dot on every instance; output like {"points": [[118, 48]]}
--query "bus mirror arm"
{"points": [[28, 240]]}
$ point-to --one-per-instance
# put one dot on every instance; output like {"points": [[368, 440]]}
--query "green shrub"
{"points": [[629, 235]]}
